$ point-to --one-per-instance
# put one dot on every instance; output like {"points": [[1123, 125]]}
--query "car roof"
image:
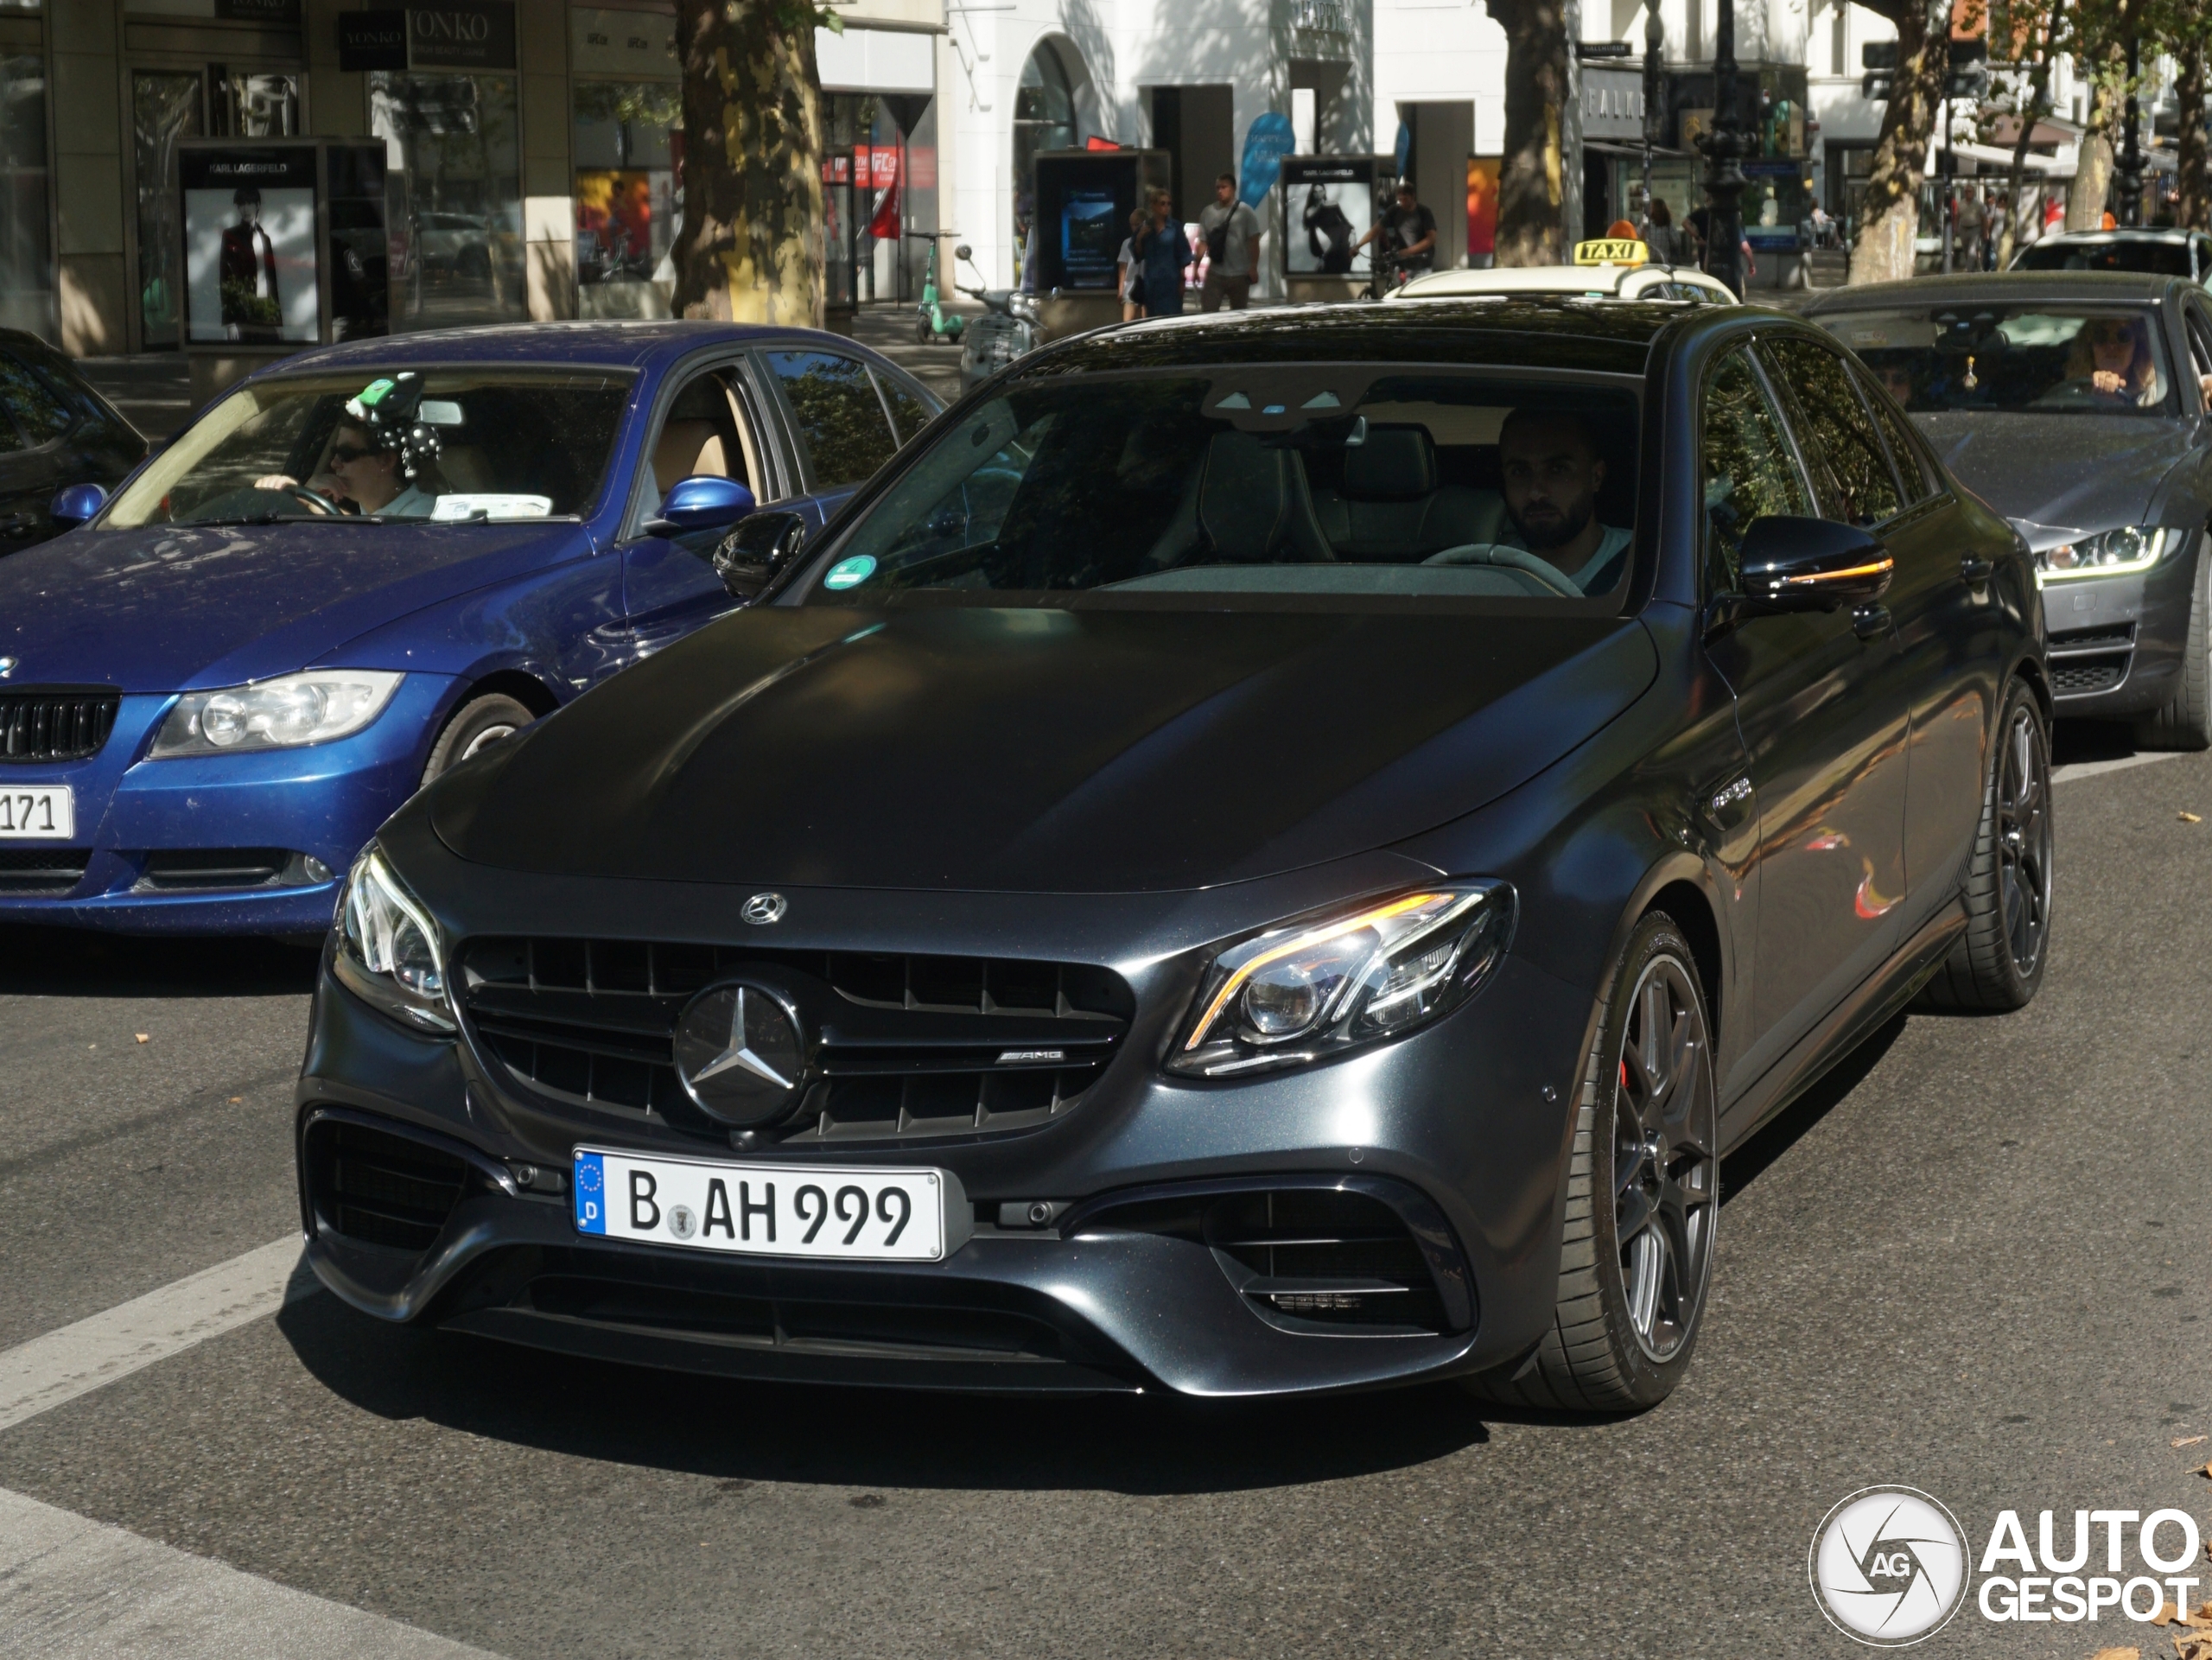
{"points": [[2166, 234], [2090, 285], [609, 344], [1535, 331], [1540, 279]]}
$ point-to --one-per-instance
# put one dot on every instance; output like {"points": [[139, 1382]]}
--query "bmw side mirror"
{"points": [[761, 546], [702, 502], [1812, 564], [72, 507]]}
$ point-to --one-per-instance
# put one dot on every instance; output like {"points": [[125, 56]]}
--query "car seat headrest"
{"points": [[1394, 464]]}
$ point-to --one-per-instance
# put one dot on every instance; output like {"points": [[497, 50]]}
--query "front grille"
{"points": [[379, 1188], [168, 869], [41, 870], [910, 1045], [2071, 676], [1337, 1258], [56, 724], [2078, 639]]}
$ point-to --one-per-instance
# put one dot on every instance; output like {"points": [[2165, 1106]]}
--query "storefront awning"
{"points": [[1989, 155]]}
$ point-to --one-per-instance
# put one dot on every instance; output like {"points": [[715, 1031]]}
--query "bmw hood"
{"points": [[2058, 476], [1038, 750], [177, 608]]}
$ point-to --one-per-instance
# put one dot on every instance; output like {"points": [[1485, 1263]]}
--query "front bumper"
{"points": [[319, 803], [1459, 1130], [2117, 642]]}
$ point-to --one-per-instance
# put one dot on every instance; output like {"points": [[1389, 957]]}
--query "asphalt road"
{"points": [[1975, 1263]]}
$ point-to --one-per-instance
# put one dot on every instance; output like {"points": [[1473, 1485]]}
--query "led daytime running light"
{"points": [[1237, 981]]}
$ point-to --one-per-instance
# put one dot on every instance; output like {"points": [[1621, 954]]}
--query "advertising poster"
{"points": [[1329, 203], [1482, 209], [249, 244], [1090, 238]]}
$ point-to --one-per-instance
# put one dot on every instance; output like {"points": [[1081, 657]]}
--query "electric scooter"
{"points": [[931, 321], [1006, 330]]}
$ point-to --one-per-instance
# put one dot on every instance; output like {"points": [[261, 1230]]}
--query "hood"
{"points": [[1038, 750], [172, 609], [2058, 475]]}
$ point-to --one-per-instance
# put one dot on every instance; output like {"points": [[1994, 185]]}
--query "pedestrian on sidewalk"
{"points": [[1165, 253], [1231, 233], [1132, 269], [1661, 237]]}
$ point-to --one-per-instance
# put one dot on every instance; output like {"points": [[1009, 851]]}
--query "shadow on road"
{"points": [[2088, 740], [1742, 1167], [867, 1438], [74, 962]]}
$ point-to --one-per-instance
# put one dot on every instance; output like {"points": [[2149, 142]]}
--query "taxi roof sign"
{"points": [[1612, 250]]}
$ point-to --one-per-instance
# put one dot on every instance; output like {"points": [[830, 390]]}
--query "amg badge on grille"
{"points": [[740, 1053]]}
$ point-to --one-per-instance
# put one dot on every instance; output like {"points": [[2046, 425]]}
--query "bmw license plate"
{"points": [[44, 812], [762, 1210]]}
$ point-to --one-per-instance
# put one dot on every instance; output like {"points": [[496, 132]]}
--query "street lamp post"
{"points": [[2130, 146], [1654, 44], [1724, 151]]}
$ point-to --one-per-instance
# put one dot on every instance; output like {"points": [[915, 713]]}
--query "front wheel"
{"points": [[1998, 962], [476, 726], [1644, 1190]]}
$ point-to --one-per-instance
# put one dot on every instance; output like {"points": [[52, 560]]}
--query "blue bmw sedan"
{"points": [[365, 565]]}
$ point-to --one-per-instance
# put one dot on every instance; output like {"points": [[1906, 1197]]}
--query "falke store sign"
{"points": [[474, 36]]}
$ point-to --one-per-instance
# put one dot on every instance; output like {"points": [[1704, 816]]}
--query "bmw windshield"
{"points": [[1256, 486], [469, 445]]}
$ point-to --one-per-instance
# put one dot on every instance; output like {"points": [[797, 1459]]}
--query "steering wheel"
{"points": [[305, 497], [1490, 553]]}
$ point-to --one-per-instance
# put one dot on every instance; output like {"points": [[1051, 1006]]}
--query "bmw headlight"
{"points": [[2112, 553], [1324, 984], [389, 952], [282, 714]]}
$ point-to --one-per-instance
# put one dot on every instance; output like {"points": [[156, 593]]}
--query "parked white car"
{"points": [[1590, 281]]}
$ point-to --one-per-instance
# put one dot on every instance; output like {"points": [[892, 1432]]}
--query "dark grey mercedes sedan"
{"points": [[2079, 404], [1259, 854]]}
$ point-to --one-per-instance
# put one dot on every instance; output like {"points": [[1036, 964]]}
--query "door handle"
{"points": [[1974, 572], [1870, 622]]}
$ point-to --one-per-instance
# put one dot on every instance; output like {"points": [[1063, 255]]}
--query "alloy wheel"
{"points": [[2024, 840], [1666, 1162], [483, 740]]}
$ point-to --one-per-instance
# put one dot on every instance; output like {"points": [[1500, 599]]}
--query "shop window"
{"points": [[26, 247], [628, 136], [453, 185], [165, 106]]}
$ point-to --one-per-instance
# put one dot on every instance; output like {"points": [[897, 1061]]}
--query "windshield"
{"points": [[2047, 360], [1275, 480], [2163, 258], [492, 444]]}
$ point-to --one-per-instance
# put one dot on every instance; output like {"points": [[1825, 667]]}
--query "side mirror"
{"points": [[702, 502], [963, 252], [72, 507], [1812, 564], [762, 544]]}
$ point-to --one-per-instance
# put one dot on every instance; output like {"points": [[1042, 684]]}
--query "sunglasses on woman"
{"points": [[346, 454]]}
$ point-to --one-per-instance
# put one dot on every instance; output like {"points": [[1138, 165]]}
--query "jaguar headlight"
{"points": [[2110, 553], [285, 713], [1321, 985], [388, 952]]}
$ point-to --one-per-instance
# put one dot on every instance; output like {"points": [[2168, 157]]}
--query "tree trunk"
{"points": [[750, 249], [2085, 197], [1529, 184], [2193, 211], [1884, 252]]}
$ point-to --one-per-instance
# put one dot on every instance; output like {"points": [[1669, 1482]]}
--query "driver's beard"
{"points": [[1557, 534]]}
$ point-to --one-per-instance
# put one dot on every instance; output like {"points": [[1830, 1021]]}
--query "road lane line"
{"points": [[74, 1589], [2073, 769], [45, 1371]]}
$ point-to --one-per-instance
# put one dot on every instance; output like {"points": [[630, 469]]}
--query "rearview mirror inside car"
{"points": [[1811, 564], [760, 545], [702, 502]]}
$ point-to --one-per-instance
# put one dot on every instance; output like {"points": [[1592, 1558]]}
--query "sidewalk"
{"points": [[153, 390], [888, 328]]}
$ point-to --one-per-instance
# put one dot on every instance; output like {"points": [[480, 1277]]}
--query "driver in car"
{"points": [[369, 470], [1553, 473]]}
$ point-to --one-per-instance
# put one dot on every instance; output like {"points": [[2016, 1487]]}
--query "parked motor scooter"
{"points": [[931, 321], [1006, 330]]}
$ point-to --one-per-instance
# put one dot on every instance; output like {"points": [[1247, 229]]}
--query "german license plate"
{"points": [[762, 1210], [43, 812]]}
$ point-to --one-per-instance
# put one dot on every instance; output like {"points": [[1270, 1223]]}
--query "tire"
{"points": [[2186, 722], [475, 725], [1998, 964], [1634, 1271]]}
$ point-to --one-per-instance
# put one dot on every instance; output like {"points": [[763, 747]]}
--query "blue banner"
{"points": [[1267, 141]]}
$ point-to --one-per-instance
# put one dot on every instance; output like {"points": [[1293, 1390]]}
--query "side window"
{"points": [[839, 417], [2200, 350], [704, 431], [1850, 471], [908, 412], [1747, 470], [41, 414], [1913, 471]]}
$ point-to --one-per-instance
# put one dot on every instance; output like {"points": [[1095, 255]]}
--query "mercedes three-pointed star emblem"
{"points": [[739, 1051]]}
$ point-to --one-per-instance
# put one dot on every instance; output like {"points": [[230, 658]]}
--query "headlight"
{"points": [[1326, 984], [2113, 553], [388, 948], [282, 714]]}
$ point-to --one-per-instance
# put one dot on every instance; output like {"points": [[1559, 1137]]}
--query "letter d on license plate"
{"points": [[764, 1210]]}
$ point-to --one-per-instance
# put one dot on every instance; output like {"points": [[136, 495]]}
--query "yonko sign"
{"points": [[1890, 1566]]}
